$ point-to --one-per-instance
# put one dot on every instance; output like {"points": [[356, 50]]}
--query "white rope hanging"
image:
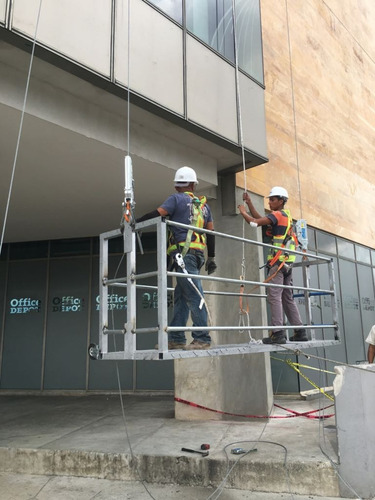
{"points": [[244, 317], [20, 128]]}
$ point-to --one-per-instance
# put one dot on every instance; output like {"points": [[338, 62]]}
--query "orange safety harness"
{"points": [[289, 241]]}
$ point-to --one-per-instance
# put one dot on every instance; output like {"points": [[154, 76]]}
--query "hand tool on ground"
{"points": [[203, 453]]}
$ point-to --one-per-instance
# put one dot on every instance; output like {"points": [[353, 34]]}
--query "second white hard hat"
{"points": [[278, 191], [185, 175]]}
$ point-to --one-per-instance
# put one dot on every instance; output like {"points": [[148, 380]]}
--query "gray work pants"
{"points": [[281, 299]]}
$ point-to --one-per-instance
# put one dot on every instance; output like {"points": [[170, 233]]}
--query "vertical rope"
{"points": [[243, 263], [20, 128], [128, 89], [294, 108]]}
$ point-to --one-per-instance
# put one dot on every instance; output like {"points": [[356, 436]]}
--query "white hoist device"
{"points": [[128, 205]]}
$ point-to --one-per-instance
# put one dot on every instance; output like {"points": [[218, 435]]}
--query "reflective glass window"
{"points": [[373, 257], [345, 248], [63, 248], [325, 242], [311, 238], [171, 7], [29, 250], [362, 254], [249, 38], [212, 22], [4, 252]]}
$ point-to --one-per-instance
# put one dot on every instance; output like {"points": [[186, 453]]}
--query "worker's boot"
{"points": [[299, 336], [278, 337]]}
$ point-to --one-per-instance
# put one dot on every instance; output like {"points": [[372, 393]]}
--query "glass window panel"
{"points": [[24, 325], [67, 323], [29, 250], [351, 311], [325, 242], [249, 38], [4, 252], [367, 298], [373, 257], [362, 254], [70, 247], [345, 249], [212, 22], [311, 239], [171, 7]]}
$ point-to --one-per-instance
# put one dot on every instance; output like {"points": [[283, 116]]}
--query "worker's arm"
{"points": [[159, 212], [259, 221], [253, 211], [371, 353], [210, 238]]}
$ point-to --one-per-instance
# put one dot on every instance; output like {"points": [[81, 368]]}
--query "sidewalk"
{"points": [[24, 487], [88, 437]]}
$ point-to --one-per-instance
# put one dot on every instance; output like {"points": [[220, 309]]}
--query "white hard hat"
{"points": [[184, 176], [278, 191]]}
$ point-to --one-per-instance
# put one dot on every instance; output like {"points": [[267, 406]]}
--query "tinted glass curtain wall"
{"points": [[49, 313], [212, 22]]}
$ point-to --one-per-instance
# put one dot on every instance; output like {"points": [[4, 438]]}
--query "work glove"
{"points": [[210, 266]]}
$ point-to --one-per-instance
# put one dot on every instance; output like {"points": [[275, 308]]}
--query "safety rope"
{"points": [[244, 317], [294, 109], [20, 127], [128, 87], [299, 352]]}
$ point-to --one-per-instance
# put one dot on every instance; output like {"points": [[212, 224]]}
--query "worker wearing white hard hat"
{"points": [[184, 176], [279, 263], [186, 208]]}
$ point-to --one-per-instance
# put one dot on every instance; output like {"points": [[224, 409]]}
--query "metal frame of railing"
{"points": [[132, 281]]}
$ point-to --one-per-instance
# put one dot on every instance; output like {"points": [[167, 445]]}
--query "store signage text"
{"points": [[24, 305], [67, 304]]}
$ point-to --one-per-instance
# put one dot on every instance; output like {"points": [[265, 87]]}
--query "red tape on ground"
{"points": [[307, 414]]}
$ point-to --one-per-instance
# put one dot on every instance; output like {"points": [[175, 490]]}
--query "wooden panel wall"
{"points": [[319, 59]]}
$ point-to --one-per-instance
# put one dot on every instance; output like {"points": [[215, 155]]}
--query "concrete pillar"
{"points": [[355, 408], [238, 384]]}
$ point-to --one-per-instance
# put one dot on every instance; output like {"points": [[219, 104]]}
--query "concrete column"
{"points": [[355, 408], [238, 384]]}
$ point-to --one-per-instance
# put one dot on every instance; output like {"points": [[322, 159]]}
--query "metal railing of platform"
{"points": [[132, 281]]}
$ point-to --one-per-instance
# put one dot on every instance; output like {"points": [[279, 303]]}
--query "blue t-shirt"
{"points": [[179, 209]]}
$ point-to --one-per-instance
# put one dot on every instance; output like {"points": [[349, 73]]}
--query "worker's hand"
{"points": [[246, 196], [242, 209], [210, 266]]}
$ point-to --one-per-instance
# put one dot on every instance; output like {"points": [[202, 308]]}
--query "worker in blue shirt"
{"points": [[185, 207]]}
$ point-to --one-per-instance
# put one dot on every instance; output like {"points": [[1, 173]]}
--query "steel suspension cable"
{"points": [[20, 128]]}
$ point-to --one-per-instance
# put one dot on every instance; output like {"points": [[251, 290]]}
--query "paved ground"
{"points": [[25, 487], [102, 452]]}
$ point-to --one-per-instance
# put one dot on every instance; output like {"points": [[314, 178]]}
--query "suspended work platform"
{"points": [[328, 333]]}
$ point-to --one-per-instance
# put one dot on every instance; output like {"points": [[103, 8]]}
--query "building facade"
{"points": [[170, 83]]}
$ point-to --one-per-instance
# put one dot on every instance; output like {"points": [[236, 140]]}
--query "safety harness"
{"points": [[286, 241], [197, 220]]}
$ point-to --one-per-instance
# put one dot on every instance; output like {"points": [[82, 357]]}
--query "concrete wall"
{"points": [[320, 112], [238, 384], [355, 408]]}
